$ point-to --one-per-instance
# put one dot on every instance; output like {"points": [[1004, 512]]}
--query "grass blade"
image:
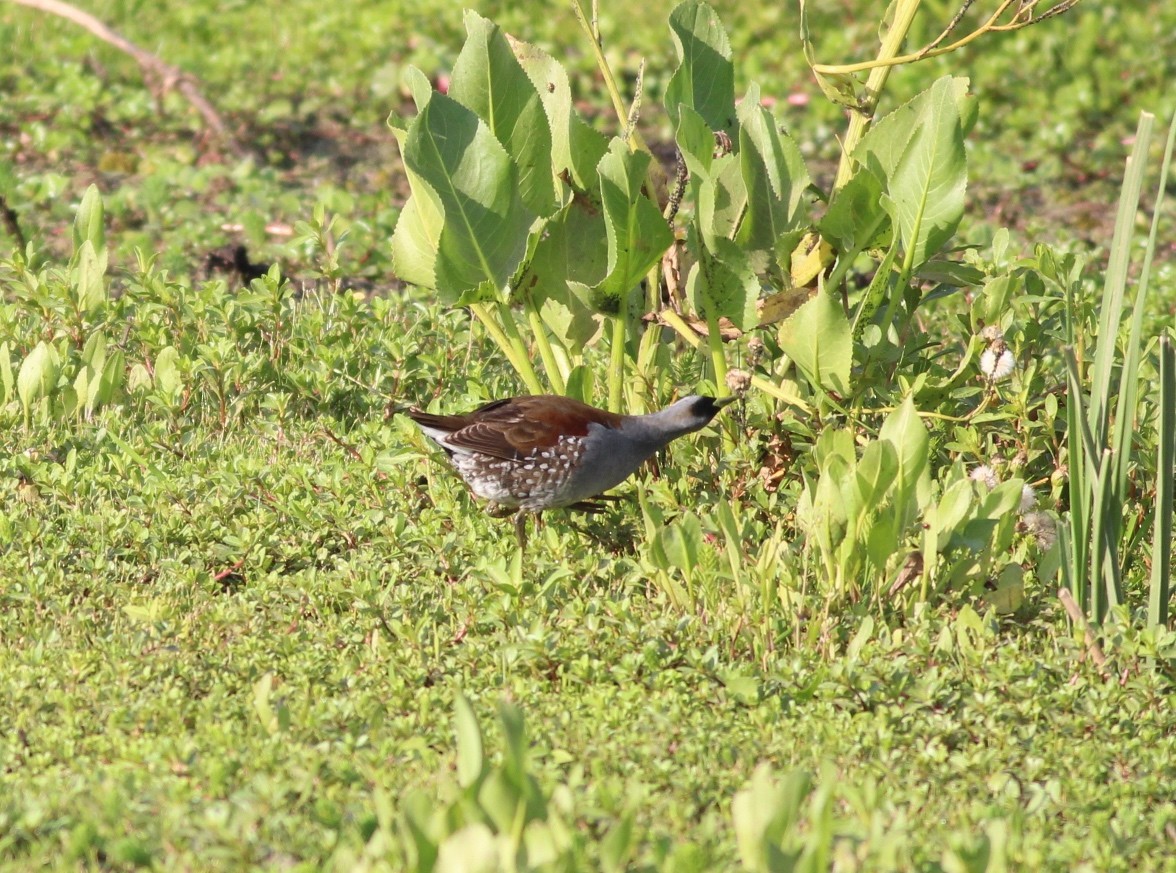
{"points": [[1161, 575], [1111, 310]]}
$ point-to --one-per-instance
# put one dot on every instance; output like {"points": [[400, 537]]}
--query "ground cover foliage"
{"points": [[248, 621]]}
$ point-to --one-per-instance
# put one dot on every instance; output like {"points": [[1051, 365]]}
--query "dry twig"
{"points": [[1075, 613], [160, 75]]}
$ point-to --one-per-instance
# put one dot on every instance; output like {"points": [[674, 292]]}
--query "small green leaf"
{"points": [[88, 222], [38, 375], [617, 845], [110, 381], [952, 511], [817, 338], [515, 734], [90, 291], [907, 433]]}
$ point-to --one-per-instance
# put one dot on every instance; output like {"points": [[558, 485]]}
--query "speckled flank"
{"points": [[538, 481]]}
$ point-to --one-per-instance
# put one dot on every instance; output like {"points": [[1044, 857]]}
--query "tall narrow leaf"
{"points": [[1114, 289], [1161, 575]]}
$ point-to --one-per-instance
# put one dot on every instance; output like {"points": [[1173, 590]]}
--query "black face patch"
{"points": [[705, 408]]}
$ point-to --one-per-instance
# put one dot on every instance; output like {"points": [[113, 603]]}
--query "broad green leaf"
{"points": [[500, 797], [873, 478], [575, 146], [680, 542], [82, 381], [94, 351], [88, 223], [470, 760], [515, 734], [705, 77], [488, 79], [952, 510], [617, 845], [925, 194], [417, 236], [637, 233], [571, 246], [889, 137], [856, 219], [817, 338], [476, 186], [992, 303], [723, 284], [774, 176], [833, 444]]}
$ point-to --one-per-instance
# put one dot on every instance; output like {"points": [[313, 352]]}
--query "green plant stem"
{"points": [[555, 373], [506, 336], [616, 363], [904, 14], [714, 342], [610, 82]]}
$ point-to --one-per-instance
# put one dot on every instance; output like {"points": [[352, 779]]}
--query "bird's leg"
{"points": [[520, 521]]}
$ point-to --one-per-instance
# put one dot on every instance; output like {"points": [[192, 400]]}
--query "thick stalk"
{"points": [[714, 341], [616, 363], [555, 373], [904, 14]]}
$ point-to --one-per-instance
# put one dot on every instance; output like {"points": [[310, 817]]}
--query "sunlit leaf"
{"points": [[705, 77], [488, 79]]}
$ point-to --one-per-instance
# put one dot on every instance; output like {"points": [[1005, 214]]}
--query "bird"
{"points": [[531, 453]]}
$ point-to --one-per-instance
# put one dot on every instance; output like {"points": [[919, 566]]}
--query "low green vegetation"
{"points": [[250, 619]]}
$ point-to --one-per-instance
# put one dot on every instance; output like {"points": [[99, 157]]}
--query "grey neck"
{"points": [[658, 429]]}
